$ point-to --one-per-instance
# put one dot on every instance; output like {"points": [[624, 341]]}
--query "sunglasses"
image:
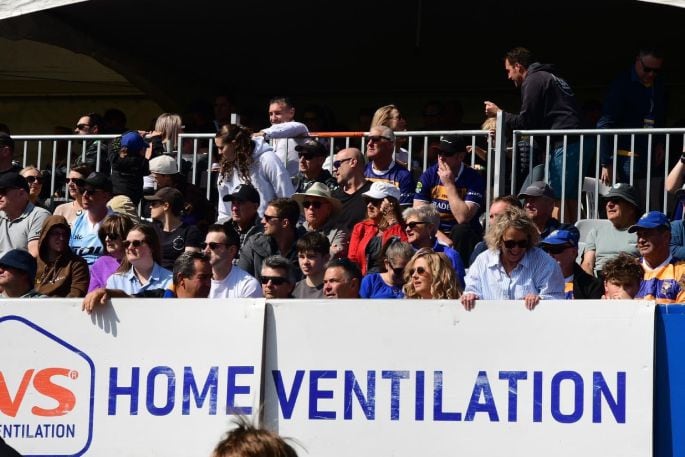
{"points": [[373, 201], [212, 245], [5, 190], [412, 225], [511, 244], [268, 218], [337, 163], [647, 69], [306, 156], [377, 138], [419, 270], [614, 201], [442, 153], [557, 248], [397, 271], [90, 191], [32, 179], [76, 181], [82, 126], [135, 243], [275, 280], [112, 236], [315, 205]]}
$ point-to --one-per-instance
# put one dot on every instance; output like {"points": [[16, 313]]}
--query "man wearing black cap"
{"points": [[244, 217], [456, 190], [539, 206], [17, 274], [20, 221], [311, 155], [84, 241]]}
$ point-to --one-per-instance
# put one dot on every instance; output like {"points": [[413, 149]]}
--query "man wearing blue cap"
{"points": [[562, 246], [18, 274], [663, 273], [129, 165]]}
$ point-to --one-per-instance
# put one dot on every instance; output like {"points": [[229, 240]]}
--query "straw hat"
{"points": [[318, 189]]}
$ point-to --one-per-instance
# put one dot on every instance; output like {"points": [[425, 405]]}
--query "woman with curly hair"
{"points": [[430, 275], [513, 268], [247, 160]]}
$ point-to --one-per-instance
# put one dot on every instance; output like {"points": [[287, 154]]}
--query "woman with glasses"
{"points": [[112, 233], [35, 179], [140, 269], [383, 221], [513, 268], [388, 283], [60, 273], [429, 275], [248, 160], [71, 210]]}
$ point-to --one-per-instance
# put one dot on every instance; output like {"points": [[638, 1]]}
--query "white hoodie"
{"points": [[284, 137], [268, 176]]}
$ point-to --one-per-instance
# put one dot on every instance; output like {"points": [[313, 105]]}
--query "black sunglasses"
{"points": [[82, 126], [419, 270], [306, 155], [268, 218], [614, 200], [275, 280], [412, 225], [77, 181], [315, 205], [647, 69], [377, 138], [374, 201], [212, 245], [511, 244], [556, 248], [32, 179], [112, 236], [397, 271], [337, 163], [134, 243], [90, 191]]}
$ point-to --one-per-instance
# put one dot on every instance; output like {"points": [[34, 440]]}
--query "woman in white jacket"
{"points": [[244, 160]]}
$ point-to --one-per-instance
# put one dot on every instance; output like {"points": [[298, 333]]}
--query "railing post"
{"points": [[499, 168]]}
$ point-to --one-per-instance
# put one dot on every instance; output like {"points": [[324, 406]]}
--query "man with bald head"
{"points": [[348, 170]]}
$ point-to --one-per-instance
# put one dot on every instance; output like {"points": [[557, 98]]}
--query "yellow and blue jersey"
{"points": [[662, 284]]}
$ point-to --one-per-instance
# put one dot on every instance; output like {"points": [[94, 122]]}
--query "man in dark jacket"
{"points": [[129, 165], [562, 245]]}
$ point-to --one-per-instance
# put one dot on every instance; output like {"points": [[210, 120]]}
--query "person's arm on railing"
{"points": [[674, 180]]}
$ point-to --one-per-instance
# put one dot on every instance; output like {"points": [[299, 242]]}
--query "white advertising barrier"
{"points": [[413, 377], [141, 377]]}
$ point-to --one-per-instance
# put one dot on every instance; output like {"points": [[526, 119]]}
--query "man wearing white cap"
{"points": [[319, 209], [197, 209]]}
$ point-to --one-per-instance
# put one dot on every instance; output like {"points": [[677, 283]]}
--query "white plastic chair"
{"points": [[589, 191]]}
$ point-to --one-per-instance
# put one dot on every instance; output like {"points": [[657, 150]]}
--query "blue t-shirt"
{"points": [[455, 260], [396, 175], [373, 286], [470, 186], [84, 241]]}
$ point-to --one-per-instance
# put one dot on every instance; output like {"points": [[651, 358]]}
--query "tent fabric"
{"points": [[13, 8]]}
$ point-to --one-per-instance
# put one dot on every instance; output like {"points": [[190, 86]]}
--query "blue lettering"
{"points": [[368, 403], [115, 391], [287, 403], [234, 390], [315, 394], [420, 395], [208, 389], [617, 404], [438, 413], [537, 396], [394, 377], [482, 386], [578, 397], [513, 377], [170, 391]]}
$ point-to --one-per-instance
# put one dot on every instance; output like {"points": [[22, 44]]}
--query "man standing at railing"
{"points": [[6, 155], [92, 124], [636, 99], [547, 103]]}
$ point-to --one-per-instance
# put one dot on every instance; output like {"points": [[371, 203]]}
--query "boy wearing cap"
{"points": [[456, 190], [311, 155], [17, 274], [562, 246], [664, 275], [129, 165], [20, 221]]}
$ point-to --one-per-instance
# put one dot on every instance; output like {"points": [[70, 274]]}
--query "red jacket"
{"points": [[362, 233]]}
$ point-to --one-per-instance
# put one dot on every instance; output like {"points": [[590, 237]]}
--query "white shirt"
{"points": [[238, 284]]}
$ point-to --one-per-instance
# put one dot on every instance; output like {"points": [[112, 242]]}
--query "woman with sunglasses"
{"points": [[140, 269], [35, 179], [429, 275], [383, 221], [60, 273], [112, 233], [248, 160], [388, 283], [513, 268], [71, 210]]}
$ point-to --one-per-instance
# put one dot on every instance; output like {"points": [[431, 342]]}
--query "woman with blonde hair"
{"points": [[513, 268], [164, 138], [391, 117], [429, 275], [35, 179], [248, 160]]}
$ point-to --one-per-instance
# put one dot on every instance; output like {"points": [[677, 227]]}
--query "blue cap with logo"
{"points": [[651, 220], [569, 235]]}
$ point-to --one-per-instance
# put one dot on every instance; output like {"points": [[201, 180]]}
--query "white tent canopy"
{"points": [[12, 8]]}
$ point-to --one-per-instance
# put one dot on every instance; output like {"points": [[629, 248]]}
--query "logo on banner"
{"points": [[46, 391]]}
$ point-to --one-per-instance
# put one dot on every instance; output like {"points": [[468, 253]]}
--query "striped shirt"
{"points": [[537, 273], [662, 284]]}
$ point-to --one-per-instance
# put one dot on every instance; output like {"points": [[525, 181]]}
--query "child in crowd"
{"points": [[622, 277], [313, 253]]}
